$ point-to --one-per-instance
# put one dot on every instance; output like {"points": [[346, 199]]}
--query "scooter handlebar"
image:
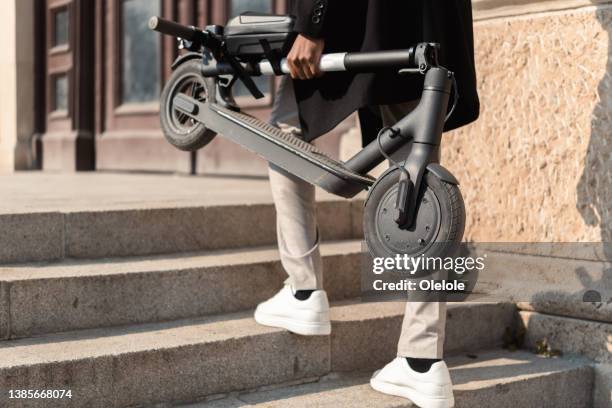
{"points": [[336, 62], [415, 57]]}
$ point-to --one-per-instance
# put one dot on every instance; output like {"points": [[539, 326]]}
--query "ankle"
{"points": [[421, 365], [303, 294]]}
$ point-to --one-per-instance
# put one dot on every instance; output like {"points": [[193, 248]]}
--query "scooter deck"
{"points": [[283, 149]]}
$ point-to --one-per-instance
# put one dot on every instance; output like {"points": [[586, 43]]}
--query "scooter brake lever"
{"points": [[407, 71]]}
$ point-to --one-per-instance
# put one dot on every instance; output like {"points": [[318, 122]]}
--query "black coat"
{"points": [[372, 25]]}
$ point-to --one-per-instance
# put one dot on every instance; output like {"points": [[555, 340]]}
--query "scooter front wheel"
{"points": [[438, 224], [182, 131]]}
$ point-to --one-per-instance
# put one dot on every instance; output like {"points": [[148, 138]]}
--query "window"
{"points": [[264, 83], [140, 68], [60, 93], [60, 27], [260, 6]]}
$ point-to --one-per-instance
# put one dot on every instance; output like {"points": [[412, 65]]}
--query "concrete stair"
{"points": [[133, 304], [48, 217], [189, 359], [90, 234], [39, 298], [489, 379], [47, 298]]}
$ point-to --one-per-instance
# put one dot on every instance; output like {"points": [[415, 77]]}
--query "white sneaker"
{"points": [[308, 317], [432, 389]]}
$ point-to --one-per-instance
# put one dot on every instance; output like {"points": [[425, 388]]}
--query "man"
{"points": [[310, 106]]}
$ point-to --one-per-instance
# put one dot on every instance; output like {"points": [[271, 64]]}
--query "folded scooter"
{"points": [[414, 208]]}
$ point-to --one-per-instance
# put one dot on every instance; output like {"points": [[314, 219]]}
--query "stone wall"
{"points": [[537, 165]]}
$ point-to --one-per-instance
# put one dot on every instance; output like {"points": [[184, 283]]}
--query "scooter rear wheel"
{"points": [[437, 228], [182, 131]]}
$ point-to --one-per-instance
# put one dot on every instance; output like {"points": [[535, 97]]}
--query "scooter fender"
{"points": [[437, 169], [181, 59], [442, 173]]}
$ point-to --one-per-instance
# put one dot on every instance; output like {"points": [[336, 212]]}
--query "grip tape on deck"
{"points": [[290, 142]]}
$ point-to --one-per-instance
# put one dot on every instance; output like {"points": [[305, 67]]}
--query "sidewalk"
{"points": [[41, 192]]}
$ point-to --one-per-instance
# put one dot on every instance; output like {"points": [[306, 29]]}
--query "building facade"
{"points": [[98, 73], [81, 79]]}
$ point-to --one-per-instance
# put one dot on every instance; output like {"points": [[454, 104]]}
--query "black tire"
{"points": [[385, 239], [181, 131]]}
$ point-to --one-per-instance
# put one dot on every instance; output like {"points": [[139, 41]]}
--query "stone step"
{"points": [[545, 283], [190, 359], [38, 299], [75, 294], [592, 339], [489, 379], [162, 229], [587, 338]]}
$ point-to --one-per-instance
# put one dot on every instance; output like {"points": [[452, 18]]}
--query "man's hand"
{"points": [[304, 57]]}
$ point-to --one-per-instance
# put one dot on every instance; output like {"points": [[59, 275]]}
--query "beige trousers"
{"points": [[423, 327]]}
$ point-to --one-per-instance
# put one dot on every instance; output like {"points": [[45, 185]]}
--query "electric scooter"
{"points": [[414, 208]]}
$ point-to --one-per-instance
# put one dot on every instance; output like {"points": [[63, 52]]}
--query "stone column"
{"points": [[68, 141], [17, 85]]}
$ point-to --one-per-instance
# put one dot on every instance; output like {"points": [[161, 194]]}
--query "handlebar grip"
{"points": [[168, 27], [377, 60]]}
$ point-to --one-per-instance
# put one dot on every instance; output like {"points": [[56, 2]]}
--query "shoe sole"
{"points": [[294, 326], [422, 401]]}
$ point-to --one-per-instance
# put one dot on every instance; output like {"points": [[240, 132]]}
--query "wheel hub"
{"points": [[415, 239], [190, 85]]}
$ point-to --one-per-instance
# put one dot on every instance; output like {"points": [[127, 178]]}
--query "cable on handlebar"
{"points": [[455, 101]]}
